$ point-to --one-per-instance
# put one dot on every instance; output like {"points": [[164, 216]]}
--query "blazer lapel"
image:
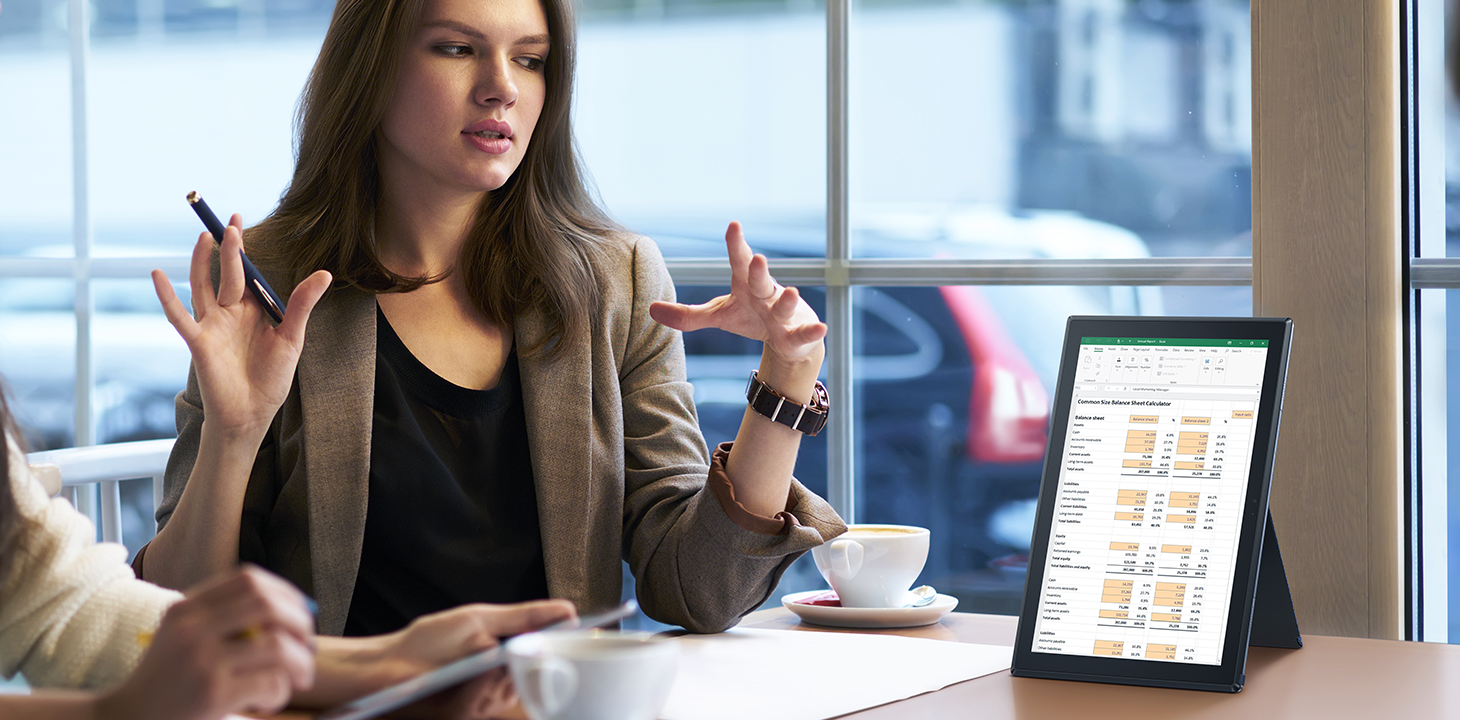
{"points": [[558, 402], [337, 393]]}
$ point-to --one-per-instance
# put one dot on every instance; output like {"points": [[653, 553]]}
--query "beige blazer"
{"points": [[618, 462]]}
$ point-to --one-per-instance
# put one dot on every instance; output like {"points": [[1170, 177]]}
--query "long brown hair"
{"points": [[534, 241], [10, 520]]}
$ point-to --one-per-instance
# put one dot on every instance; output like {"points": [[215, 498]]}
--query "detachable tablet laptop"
{"points": [[1153, 508], [456, 673]]}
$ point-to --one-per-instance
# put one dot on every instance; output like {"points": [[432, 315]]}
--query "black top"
{"points": [[452, 517]]}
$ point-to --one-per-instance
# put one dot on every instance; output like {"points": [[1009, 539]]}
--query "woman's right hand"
{"points": [[245, 366], [242, 642]]}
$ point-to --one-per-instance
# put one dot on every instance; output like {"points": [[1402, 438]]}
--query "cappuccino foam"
{"points": [[857, 532]]}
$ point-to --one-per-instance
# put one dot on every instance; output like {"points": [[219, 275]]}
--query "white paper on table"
{"points": [[799, 675]]}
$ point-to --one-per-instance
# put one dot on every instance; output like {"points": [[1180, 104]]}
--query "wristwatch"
{"points": [[808, 419]]}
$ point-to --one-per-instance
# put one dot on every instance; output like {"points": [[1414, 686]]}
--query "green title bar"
{"points": [[1172, 342]]}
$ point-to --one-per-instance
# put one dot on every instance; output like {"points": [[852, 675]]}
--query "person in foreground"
{"points": [[73, 616], [490, 403]]}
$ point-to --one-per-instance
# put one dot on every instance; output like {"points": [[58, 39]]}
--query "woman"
{"points": [[484, 407], [72, 616]]}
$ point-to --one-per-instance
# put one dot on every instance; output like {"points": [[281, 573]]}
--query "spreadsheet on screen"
{"points": [[1155, 470]]}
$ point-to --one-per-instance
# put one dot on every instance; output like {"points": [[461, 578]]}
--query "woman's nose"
{"points": [[495, 84]]}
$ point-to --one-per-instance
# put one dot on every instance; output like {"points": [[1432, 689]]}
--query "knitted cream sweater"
{"points": [[70, 608]]}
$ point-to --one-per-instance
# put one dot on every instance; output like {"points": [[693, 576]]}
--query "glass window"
{"points": [[38, 357], [35, 138], [1434, 371], [1064, 129], [140, 361], [150, 143], [688, 120]]}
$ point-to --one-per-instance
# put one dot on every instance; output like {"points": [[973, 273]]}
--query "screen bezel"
{"points": [[1227, 676]]}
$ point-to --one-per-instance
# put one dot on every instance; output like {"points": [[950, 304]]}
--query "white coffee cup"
{"points": [[592, 674], [873, 566]]}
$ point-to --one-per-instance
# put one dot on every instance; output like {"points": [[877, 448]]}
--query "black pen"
{"points": [[256, 282]]}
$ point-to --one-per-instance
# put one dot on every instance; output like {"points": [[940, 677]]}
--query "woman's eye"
{"points": [[454, 50], [532, 63]]}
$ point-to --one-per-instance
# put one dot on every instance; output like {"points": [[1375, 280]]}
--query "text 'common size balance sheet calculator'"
{"points": [[1153, 508]]}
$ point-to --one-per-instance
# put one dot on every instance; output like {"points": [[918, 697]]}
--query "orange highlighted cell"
{"points": [[1113, 648], [1178, 549], [1160, 652], [1170, 594], [1166, 617], [1115, 614], [1181, 519], [1189, 465], [1130, 497], [1192, 420], [1116, 591], [1136, 463], [1125, 546], [1134, 517], [1146, 419], [1242, 414], [1140, 435]]}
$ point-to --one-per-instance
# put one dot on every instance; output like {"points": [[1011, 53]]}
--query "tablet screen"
{"points": [[1148, 509]]}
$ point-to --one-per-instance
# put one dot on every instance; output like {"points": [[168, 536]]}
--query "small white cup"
{"points": [[592, 674], [873, 566]]}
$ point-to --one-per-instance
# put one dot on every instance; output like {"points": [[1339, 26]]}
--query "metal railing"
{"points": [[104, 467]]}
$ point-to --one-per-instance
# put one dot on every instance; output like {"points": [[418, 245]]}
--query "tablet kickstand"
{"points": [[1274, 624]]}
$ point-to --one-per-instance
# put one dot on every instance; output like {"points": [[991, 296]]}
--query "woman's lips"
{"points": [[490, 136], [489, 142]]}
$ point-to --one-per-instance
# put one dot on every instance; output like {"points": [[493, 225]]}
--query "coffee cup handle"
{"points": [[550, 684], [846, 557]]}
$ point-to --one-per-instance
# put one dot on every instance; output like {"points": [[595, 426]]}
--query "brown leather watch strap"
{"points": [[808, 419]]}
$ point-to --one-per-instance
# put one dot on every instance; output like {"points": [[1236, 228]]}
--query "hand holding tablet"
{"points": [[458, 672]]}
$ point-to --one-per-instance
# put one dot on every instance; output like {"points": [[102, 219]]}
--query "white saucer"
{"points": [[869, 617]]}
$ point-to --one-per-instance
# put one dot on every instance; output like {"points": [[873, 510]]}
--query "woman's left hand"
{"points": [[757, 307], [434, 640]]}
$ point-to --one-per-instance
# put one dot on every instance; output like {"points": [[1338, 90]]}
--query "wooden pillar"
{"points": [[1327, 251]]}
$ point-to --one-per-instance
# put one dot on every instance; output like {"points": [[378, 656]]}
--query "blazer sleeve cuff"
{"points": [[799, 501]]}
